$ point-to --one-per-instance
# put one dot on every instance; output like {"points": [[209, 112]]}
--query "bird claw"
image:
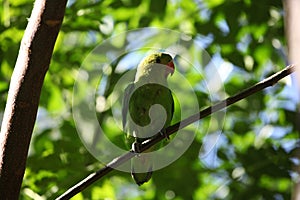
{"points": [[136, 147], [163, 133]]}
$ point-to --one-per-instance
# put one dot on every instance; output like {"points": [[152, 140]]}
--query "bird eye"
{"points": [[157, 60]]}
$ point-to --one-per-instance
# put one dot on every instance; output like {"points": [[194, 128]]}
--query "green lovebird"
{"points": [[148, 108]]}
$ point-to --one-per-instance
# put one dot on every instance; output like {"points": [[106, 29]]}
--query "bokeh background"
{"points": [[253, 154]]}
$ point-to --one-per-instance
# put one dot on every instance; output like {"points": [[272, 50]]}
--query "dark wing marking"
{"points": [[125, 106], [172, 112]]}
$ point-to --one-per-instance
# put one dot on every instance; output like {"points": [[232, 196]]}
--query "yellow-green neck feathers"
{"points": [[154, 66]]}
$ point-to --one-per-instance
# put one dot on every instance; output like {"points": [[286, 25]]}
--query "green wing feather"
{"points": [[128, 91]]}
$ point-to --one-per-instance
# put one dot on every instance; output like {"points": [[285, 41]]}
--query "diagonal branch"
{"points": [[174, 128]]}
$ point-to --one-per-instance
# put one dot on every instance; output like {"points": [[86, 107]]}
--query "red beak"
{"points": [[171, 68]]}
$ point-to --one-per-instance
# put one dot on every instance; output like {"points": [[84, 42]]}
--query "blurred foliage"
{"points": [[251, 158]]}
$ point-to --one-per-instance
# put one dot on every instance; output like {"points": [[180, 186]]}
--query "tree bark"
{"points": [[24, 92], [292, 32]]}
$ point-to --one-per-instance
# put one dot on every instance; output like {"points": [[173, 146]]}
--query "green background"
{"points": [[253, 155]]}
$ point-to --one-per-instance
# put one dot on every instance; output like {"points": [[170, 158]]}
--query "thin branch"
{"points": [[174, 128]]}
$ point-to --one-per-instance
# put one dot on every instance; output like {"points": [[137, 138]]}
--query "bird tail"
{"points": [[141, 168]]}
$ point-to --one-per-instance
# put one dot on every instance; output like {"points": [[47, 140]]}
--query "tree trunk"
{"points": [[292, 31], [24, 92]]}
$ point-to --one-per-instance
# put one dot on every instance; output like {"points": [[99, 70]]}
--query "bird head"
{"points": [[163, 59], [157, 66]]}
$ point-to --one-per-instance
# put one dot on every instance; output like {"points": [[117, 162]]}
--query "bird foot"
{"points": [[136, 147], [164, 133]]}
